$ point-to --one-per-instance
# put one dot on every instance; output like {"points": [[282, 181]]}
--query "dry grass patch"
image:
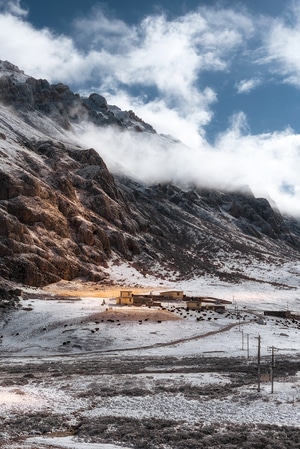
{"points": [[134, 314]]}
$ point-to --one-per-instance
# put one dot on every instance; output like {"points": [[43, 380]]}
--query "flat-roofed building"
{"points": [[125, 298], [172, 294]]}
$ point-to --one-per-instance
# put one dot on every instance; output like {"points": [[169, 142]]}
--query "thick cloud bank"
{"points": [[268, 164]]}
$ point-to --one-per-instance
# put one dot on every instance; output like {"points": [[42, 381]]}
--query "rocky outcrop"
{"points": [[9, 296], [60, 217], [26, 94]]}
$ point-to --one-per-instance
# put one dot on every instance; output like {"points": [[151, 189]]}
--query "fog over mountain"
{"points": [[266, 164]]}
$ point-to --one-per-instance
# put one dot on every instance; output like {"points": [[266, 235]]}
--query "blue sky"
{"points": [[221, 76]]}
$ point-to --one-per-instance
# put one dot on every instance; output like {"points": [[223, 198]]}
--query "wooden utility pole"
{"points": [[247, 343], [258, 363], [273, 349], [242, 340], [247, 346]]}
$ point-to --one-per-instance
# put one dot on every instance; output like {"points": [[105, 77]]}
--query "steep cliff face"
{"points": [[57, 102], [63, 215]]}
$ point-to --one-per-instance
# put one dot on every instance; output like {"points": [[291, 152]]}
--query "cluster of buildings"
{"points": [[128, 298]]}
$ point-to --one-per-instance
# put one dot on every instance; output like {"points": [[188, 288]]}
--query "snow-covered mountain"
{"points": [[63, 215]]}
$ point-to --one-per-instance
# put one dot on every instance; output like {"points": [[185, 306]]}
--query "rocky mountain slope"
{"points": [[63, 215]]}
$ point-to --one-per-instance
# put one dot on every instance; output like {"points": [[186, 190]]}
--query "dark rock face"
{"points": [[200, 231], [51, 227], [9, 296], [59, 103], [63, 215]]}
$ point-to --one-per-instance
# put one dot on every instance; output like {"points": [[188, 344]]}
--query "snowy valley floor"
{"points": [[75, 375]]}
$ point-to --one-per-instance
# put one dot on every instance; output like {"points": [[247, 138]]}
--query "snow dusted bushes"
{"points": [[166, 434], [106, 391], [32, 424]]}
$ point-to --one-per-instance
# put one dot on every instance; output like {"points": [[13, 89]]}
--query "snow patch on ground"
{"points": [[69, 443], [249, 410]]}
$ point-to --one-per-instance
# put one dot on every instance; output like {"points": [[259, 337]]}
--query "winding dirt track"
{"points": [[180, 340], [139, 348]]}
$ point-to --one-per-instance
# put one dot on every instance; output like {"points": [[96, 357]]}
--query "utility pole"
{"points": [[247, 342], [273, 349], [272, 370], [242, 340], [247, 346], [237, 314], [258, 363]]}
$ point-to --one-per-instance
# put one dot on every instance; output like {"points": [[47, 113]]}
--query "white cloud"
{"points": [[282, 45], [13, 7], [100, 31], [267, 163], [172, 54], [38, 52], [246, 86], [169, 56], [183, 125]]}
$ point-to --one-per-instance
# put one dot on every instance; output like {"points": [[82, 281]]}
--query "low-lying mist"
{"points": [[266, 163]]}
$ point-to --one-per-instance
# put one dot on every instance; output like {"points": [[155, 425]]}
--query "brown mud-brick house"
{"points": [[203, 303], [172, 295], [125, 298]]}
